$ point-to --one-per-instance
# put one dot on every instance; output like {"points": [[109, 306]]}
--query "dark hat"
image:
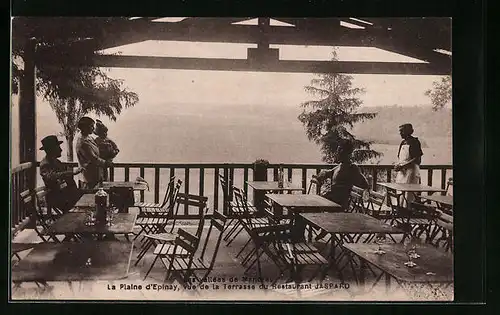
{"points": [[85, 121], [407, 125], [50, 142]]}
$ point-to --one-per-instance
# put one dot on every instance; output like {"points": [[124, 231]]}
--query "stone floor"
{"points": [[227, 268]]}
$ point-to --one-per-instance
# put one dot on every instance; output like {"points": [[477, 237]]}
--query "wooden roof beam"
{"points": [[298, 66]]}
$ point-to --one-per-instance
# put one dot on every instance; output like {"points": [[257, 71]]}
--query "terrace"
{"points": [[424, 39]]}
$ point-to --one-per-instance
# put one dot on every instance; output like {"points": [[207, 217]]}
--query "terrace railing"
{"points": [[203, 179], [21, 179]]}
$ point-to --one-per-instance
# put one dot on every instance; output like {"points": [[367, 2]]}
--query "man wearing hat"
{"points": [[87, 153], [62, 190], [409, 158]]}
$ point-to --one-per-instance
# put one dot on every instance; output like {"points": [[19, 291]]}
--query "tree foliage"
{"points": [[72, 91], [329, 118], [440, 93]]}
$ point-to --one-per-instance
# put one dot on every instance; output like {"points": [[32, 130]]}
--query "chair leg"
{"points": [[151, 267]]}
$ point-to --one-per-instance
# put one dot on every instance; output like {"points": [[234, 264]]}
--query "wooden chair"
{"points": [[443, 226], [33, 203], [289, 253], [313, 183], [185, 246], [161, 241], [166, 198], [171, 198], [156, 220], [356, 202], [200, 263]]}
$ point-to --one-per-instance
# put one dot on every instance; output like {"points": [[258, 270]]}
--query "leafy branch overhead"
{"points": [[440, 93], [330, 118]]}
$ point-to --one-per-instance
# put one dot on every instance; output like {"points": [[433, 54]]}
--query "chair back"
{"points": [[241, 204], [217, 223], [192, 200], [172, 204], [423, 210], [313, 183], [169, 191], [355, 203], [188, 243]]}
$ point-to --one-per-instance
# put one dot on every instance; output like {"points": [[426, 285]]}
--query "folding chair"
{"points": [[166, 198], [444, 226], [356, 202], [34, 206], [161, 240], [247, 219], [289, 253], [154, 220], [179, 261], [170, 201]]}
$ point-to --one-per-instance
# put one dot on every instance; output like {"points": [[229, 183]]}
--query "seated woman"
{"points": [[62, 192], [107, 147], [336, 183]]}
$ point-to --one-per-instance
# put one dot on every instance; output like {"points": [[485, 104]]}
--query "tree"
{"points": [[440, 93], [329, 120], [72, 91]]}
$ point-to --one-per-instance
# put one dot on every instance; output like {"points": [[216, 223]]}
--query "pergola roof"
{"points": [[426, 39]]}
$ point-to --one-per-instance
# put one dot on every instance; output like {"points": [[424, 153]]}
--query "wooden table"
{"points": [[445, 200], [347, 228], [87, 201], [133, 185], [74, 223], [273, 186], [433, 266], [303, 202], [415, 189], [68, 262]]}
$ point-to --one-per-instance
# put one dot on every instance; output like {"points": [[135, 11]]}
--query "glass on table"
{"points": [[379, 240], [408, 247], [90, 218]]}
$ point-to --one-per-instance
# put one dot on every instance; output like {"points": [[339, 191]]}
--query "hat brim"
{"points": [[43, 148]]}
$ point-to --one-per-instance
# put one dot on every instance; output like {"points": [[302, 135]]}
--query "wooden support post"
{"points": [[27, 112]]}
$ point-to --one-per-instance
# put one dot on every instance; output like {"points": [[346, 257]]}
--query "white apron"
{"points": [[409, 175]]}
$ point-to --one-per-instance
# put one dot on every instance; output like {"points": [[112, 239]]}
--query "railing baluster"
{"points": [[15, 199], [227, 191], [245, 180], [157, 185], [374, 178], [304, 178], [275, 173], [202, 181], [216, 188], [389, 175], [112, 173], [318, 187], [186, 189], [141, 174], [127, 173], [443, 180], [429, 176]]}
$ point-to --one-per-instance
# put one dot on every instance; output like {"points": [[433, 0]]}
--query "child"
{"points": [[107, 147]]}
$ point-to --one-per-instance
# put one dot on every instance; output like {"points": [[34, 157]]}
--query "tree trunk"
{"points": [[69, 147]]}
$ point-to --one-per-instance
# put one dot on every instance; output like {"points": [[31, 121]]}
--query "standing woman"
{"points": [[409, 159], [87, 153], [107, 147]]}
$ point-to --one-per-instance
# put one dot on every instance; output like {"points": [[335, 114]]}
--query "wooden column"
{"points": [[27, 111]]}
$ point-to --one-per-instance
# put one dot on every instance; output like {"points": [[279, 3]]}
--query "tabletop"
{"points": [[410, 187], [445, 200], [134, 185], [109, 260], [273, 186], [437, 263], [346, 223], [302, 201], [86, 201], [75, 223]]}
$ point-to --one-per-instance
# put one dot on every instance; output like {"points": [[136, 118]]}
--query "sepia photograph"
{"points": [[231, 159]]}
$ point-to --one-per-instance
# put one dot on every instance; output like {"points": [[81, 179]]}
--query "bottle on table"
{"points": [[101, 204]]}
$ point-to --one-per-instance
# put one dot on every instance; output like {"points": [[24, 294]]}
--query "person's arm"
{"points": [[324, 175], [89, 154], [359, 180], [49, 174]]}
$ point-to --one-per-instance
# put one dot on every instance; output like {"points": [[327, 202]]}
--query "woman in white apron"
{"points": [[409, 159]]}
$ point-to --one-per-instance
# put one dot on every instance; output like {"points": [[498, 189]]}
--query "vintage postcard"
{"points": [[228, 159]]}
